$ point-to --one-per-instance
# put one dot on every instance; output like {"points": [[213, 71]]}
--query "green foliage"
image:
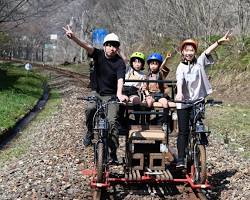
{"points": [[214, 38], [19, 92], [233, 123], [23, 143], [232, 56]]}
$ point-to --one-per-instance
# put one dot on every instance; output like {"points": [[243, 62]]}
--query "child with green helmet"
{"points": [[134, 72]]}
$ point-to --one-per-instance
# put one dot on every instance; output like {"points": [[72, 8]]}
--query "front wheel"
{"points": [[99, 162], [200, 168]]}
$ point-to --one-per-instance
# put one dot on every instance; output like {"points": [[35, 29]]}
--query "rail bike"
{"points": [[148, 156]]}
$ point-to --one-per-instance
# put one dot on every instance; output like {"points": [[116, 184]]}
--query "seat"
{"points": [[152, 132]]}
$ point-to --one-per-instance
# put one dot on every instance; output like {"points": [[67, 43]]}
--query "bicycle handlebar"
{"points": [[113, 99], [151, 81], [190, 102], [211, 102], [88, 98]]}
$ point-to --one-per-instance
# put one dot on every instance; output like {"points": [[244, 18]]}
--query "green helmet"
{"points": [[138, 55]]}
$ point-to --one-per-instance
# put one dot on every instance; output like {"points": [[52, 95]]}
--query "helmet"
{"points": [[111, 37], [155, 56], [138, 55], [190, 42]]}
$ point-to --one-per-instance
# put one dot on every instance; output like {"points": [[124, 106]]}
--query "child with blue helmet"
{"points": [[157, 91]]}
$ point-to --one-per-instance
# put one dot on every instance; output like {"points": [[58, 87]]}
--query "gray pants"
{"points": [[113, 111]]}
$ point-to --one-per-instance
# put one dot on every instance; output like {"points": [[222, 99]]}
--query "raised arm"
{"points": [[225, 38], [163, 64], [89, 48]]}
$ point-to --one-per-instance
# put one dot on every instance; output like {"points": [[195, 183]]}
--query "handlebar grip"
{"points": [[88, 98], [213, 102], [113, 99], [218, 102], [82, 98]]}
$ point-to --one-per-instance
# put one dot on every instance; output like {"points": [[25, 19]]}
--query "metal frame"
{"points": [[158, 175]]}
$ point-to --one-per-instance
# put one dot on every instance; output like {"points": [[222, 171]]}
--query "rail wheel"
{"points": [[99, 162], [200, 168]]}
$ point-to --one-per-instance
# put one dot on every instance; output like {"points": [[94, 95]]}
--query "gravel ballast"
{"points": [[51, 167]]}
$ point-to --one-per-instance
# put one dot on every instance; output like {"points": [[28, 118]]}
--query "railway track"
{"points": [[133, 192], [152, 192], [78, 76], [146, 191]]}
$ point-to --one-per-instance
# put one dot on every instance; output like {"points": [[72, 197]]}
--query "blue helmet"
{"points": [[155, 56]]}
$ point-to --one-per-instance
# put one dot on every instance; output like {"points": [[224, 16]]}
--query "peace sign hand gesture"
{"points": [[68, 31], [225, 38]]}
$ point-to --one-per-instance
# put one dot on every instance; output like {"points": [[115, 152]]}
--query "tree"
{"points": [[13, 13], [141, 24]]}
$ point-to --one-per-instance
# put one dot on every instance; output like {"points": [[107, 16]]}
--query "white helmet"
{"points": [[111, 38]]}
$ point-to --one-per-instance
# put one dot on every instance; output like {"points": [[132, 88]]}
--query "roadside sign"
{"points": [[28, 66], [98, 36], [53, 36]]}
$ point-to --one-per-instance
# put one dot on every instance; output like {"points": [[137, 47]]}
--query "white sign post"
{"points": [[54, 37], [28, 66]]}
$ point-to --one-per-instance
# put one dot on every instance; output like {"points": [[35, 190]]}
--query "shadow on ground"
{"points": [[220, 183]]}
